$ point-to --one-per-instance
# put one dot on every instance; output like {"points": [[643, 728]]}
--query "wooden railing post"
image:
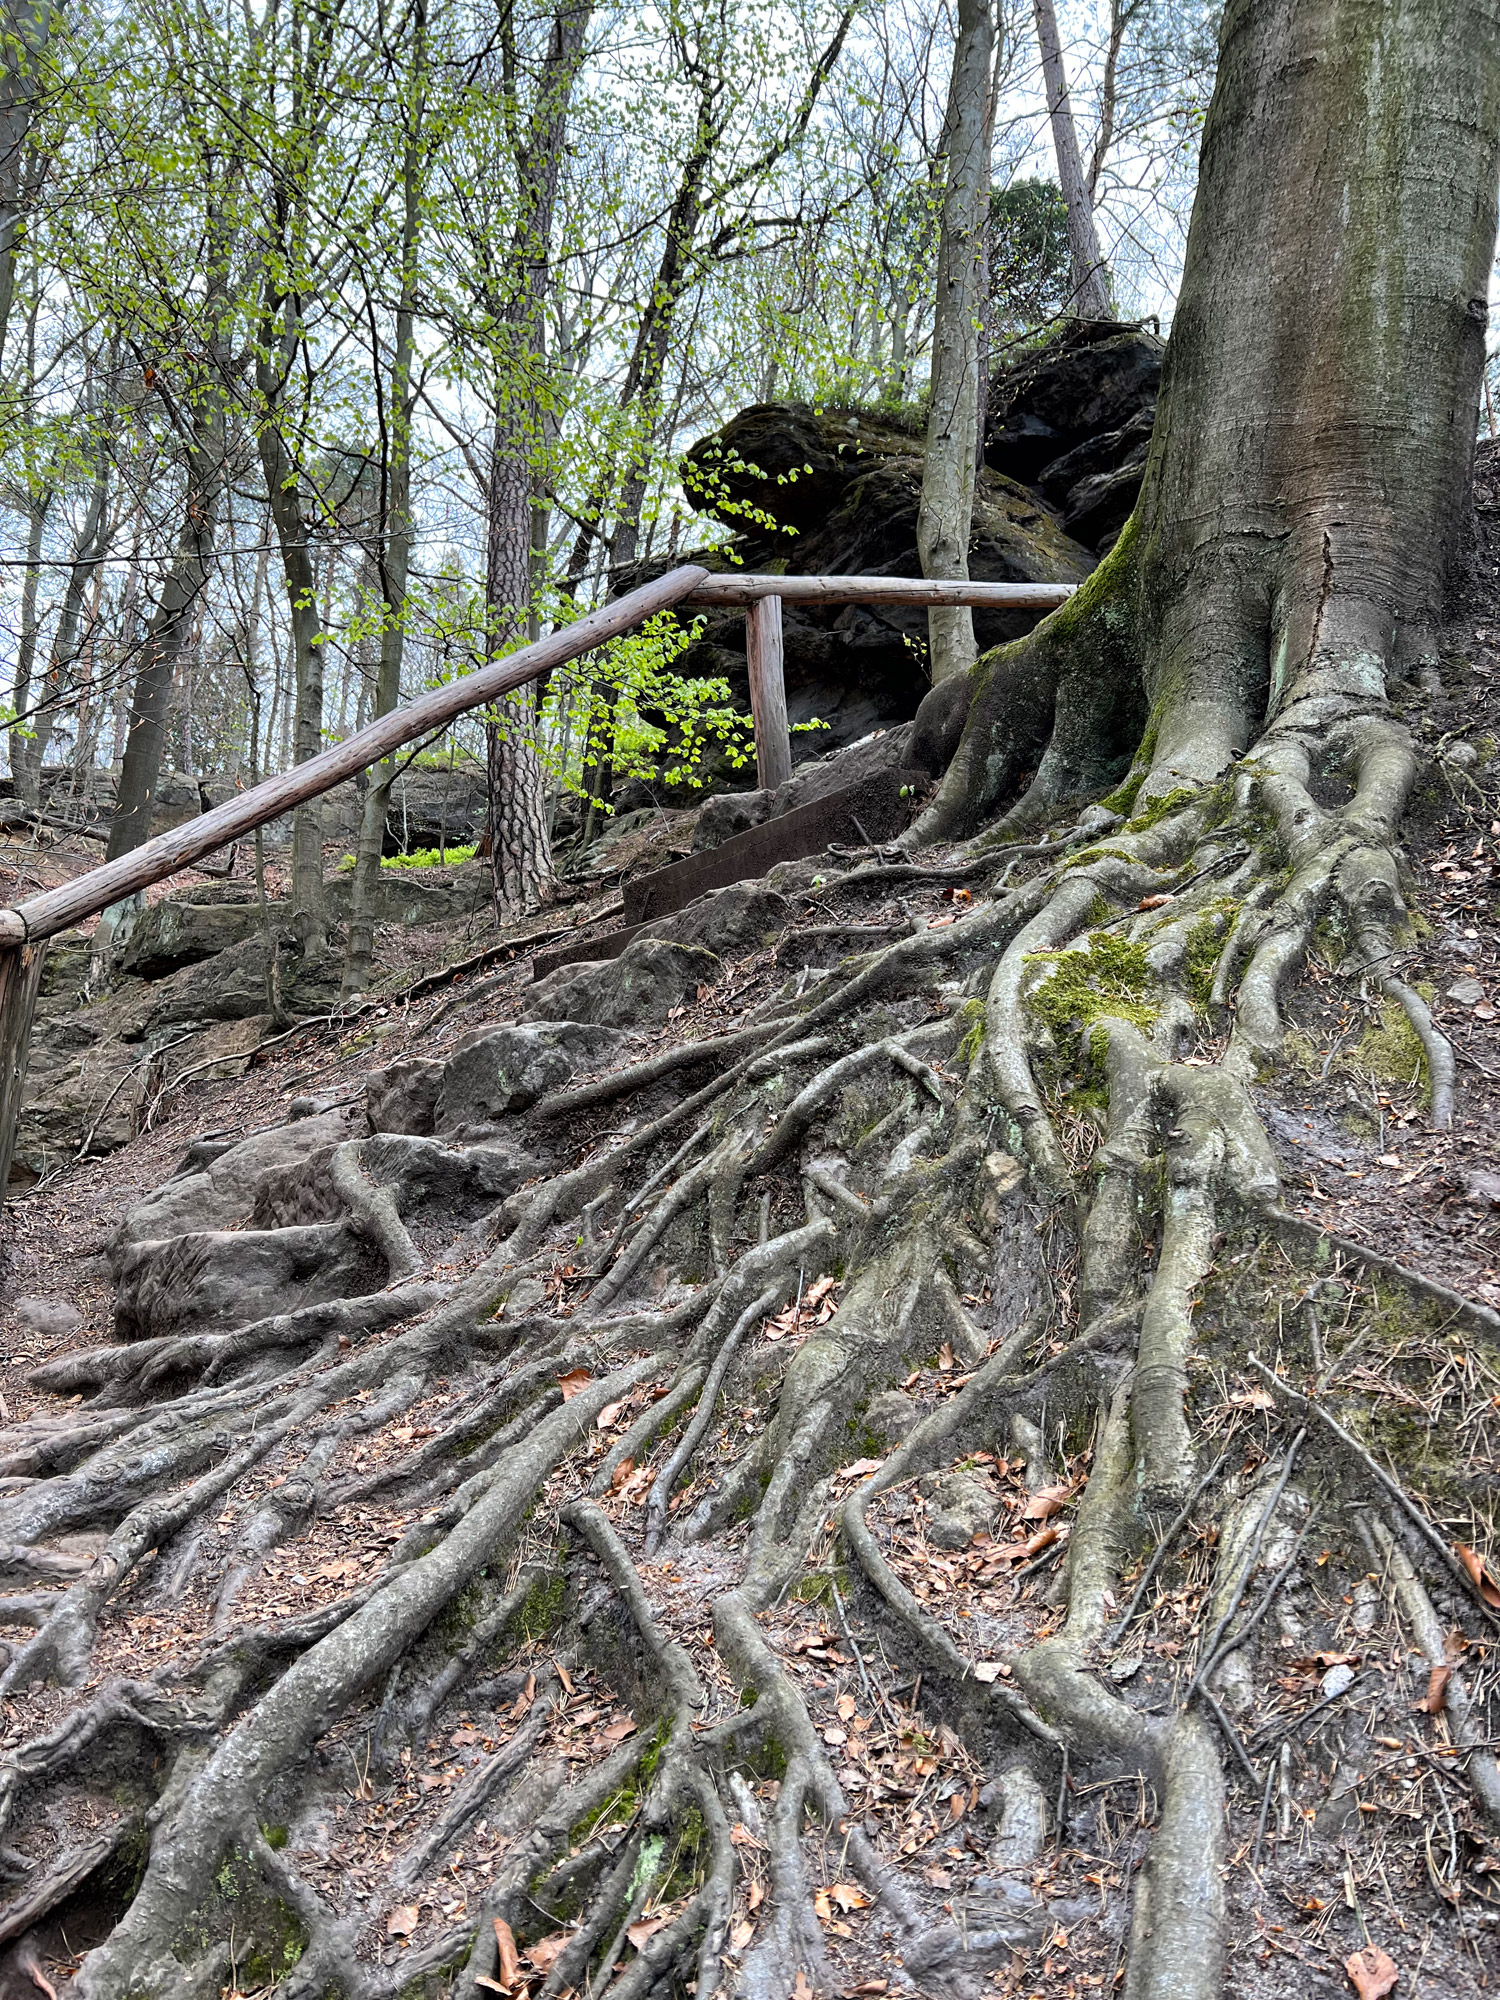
{"points": [[763, 657], [20, 976]]}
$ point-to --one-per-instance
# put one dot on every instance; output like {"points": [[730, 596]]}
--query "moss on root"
{"points": [[1203, 947], [1392, 1052], [1109, 976]]}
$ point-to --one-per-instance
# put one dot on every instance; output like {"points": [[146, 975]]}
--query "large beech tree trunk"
{"points": [[1308, 478]]}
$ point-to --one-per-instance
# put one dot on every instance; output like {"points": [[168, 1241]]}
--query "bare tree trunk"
{"points": [[171, 626], [393, 550], [520, 853], [947, 505], [25, 28], [39, 506], [65, 644], [285, 501], [1090, 291]]}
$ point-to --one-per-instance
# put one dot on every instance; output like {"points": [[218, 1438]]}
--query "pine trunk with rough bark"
{"points": [[722, 1486]]}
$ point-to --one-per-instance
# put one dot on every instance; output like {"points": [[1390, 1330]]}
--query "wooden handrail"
{"points": [[55, 910], [732, 589]]}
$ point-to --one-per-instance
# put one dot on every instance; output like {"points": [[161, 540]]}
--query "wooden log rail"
{"points": [[763, 597], [26, 926]]}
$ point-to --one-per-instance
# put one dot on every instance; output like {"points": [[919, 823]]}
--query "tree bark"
{"points": [[1090, 292], [65, 639], [393, 549], [1308, 478], [947, 505], [25, 29], [289, 517], [171, 623], [39, 506], [520, 852]]}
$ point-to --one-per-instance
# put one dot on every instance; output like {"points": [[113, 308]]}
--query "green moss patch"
{"points": [[1161, 808], [1203, 946], [1392, 1052], [1109, 976]]}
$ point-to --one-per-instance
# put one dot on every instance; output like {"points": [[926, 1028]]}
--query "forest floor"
{"points": [[1392, 1853]]}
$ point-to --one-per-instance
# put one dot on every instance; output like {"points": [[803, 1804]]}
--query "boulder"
{"points": [[1102, 453], [84, 1083], [403, 1097], [855, 669], [177, 933], [214, 1279], [726, 815], [730, 922], [65, 968], [507, 1069], [1093, 379], [441, 1186], [416, 895], [54, 1318], [214, 1192], [640, 988], [1099, 507], [432, 808], [959, 1506], [233, 986]]}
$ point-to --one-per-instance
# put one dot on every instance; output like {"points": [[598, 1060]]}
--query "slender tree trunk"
{"points": [[40, 505], [947, 505], [171, 627], [289, 516], [520, 854], [25, 28], [393, 552], [1090, 291], [65, 644]]}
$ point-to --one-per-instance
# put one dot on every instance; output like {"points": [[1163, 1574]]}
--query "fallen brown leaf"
{"points": [[1373, 1972], [403, 1920], [573, 1381], [546, 1950], [1483, 1582], [1046, 1502], [510, 1959], [1436, 1697]]}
